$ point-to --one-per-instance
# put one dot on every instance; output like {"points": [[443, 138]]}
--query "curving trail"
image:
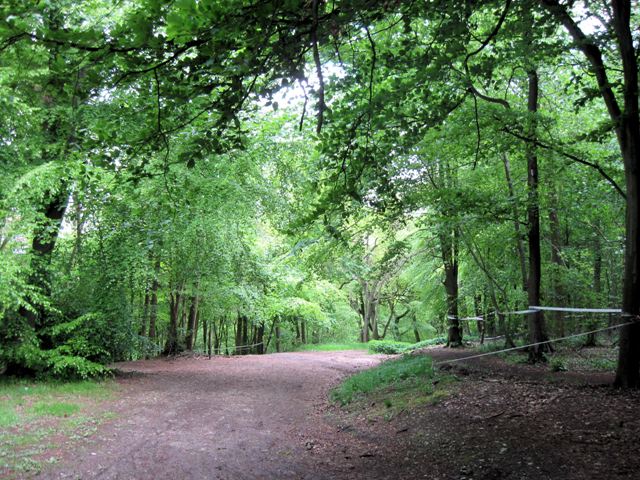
{"points": [[246, 417], [267, 417]]}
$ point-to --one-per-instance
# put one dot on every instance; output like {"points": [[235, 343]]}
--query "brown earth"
{"points": [[268, 417]]}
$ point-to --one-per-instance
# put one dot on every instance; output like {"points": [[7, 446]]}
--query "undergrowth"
{"points": [[391, 347], [328, 347]]}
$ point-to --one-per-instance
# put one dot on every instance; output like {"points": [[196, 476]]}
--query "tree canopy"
{"points": [[248, 176]]}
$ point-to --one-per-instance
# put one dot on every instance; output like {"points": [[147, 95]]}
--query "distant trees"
{"points": [[158, 187]]}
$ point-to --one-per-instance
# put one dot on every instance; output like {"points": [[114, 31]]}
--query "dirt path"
{"points": [[267, 417], [226, 418]]}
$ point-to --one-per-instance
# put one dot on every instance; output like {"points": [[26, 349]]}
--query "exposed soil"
{"points": [[268, 417]]}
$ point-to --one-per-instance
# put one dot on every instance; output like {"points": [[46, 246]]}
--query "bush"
{"points": [[429, 343], [557, 364], [76, 358], [388, 347]]}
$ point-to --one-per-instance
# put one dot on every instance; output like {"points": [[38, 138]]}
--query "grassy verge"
{"points": [[389, 347], [33, 416], [394, 386], [328, 347]]}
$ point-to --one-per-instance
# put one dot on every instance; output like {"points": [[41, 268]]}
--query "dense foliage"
{"points": [[240, 176]]}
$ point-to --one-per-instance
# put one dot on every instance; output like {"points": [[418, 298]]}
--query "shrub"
{"points": [[77, 356], [388, 347], [557, 364], [429, 343]]}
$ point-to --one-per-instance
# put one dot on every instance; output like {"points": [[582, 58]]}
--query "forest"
{"points": [[244, 176]]}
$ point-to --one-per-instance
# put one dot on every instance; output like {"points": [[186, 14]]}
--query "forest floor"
{"points": [[268, 417]]}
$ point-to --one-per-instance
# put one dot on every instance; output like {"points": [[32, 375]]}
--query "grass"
{"points": [[33, 412], [55, 409], [329, 347], [389, 347], [393, 386]]}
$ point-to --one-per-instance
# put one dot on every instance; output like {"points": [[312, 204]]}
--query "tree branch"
{"points": [[591, 51], [316, 59], [570, 156]]}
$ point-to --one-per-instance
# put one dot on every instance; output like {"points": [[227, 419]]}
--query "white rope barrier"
{"points": [[443, 362], [238, 347], [519, 312], [475, 319], [577, 310], [536, 309]]}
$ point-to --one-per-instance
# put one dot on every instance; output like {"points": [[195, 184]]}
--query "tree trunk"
{"points": [[43, 243], [364, 300], [204, 334], [371, 309], [217, 336], [172, 345], [195, 329], [416, 332], [627, 123], [303, 330], [244, 339], [449, 247], [259, 348], [238, 339], [537, 331], [191, 321], [278, 337], [477, 304], [208, 340], [628, 371]]}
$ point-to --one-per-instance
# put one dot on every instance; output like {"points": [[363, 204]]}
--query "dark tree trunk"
{"points": [[537, 331], [277, 337], [416, 332], [195, 329], [449, 247], [627, 122], [477, 304], [191, 322], [628, 372], [259, 348], [44, 241], [204, 334], [303, 330], [242, 335], [224, 327], [217, 336], [172, 346], [183, 313], [208, 340]]}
